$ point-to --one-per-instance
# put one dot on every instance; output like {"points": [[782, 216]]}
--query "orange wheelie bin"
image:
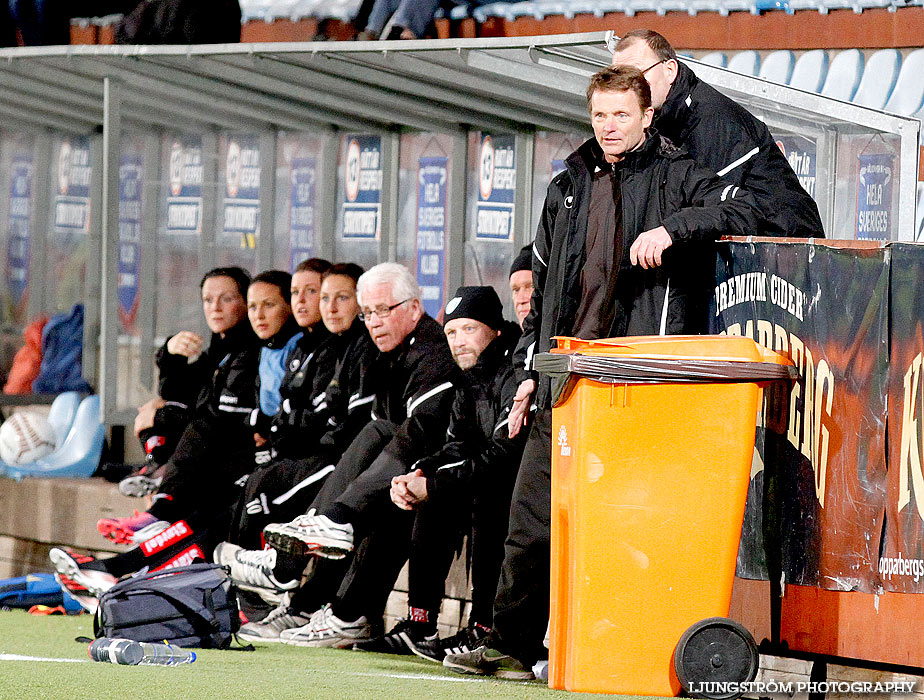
{"points": [[652, 445]]}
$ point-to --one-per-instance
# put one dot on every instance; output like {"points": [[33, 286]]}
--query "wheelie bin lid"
{"points": [[662, 359]]}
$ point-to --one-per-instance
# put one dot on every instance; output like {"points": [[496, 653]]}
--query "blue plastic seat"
{"points": [[810, 71], [745, 62], [61, 414], [908, 96], [777, 66], [844, 75], [878, 79], [79, 453], [768, 5], [716, 58]]}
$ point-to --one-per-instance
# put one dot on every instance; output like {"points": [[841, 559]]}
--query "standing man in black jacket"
{"points": [[720, 135], [612, 256]]}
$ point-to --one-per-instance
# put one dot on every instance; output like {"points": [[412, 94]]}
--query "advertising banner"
{"points": [[802, 154], [184, 198], [818, 481], [302, 199], [362, 203], [496, 188], [19, 245], [131, 176], [432, 178], [901, 567], [72, 201], [874, 196], [241, 221]]}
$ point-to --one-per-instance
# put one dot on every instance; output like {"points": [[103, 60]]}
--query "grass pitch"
{"points": [[40, 660]]}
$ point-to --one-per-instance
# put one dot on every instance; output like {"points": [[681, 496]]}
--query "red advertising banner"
{"points": [[818, 482]]}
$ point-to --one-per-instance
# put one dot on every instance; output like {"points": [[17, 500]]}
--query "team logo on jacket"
{"points": [[569, 201], [173, 534]]}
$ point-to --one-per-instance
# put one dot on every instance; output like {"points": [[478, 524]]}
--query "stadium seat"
{"points": [[745, 62], [777, 66], [343, 10], [908, 95], [810, 71], [716, 58], [495, 9], [878, 79], [61, 414], [844, 75], [77, 456], [767, 5]]}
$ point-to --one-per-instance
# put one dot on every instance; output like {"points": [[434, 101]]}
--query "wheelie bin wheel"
{"points": [[712, 652]]}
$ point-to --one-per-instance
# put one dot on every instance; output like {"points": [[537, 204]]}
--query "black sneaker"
{"points": [[403, 639], [463, 641]]}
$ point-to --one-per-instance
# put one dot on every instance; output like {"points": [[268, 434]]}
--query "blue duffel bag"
{"points": [[190, 606]]}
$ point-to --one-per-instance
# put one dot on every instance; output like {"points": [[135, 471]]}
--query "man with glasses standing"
{"points": [[720, 135], [412, 380]]}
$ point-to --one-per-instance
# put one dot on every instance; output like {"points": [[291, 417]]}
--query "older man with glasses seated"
{"points": [[412, 380]]}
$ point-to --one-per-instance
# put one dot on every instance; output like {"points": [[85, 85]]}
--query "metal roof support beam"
{"points": [[41, 195], [345, 97], [152, 196], [209, 104], [388, 244], [253, 96], [267, 242], [510, 88], [35, 121], [325, 205], [471, 102], [457, 229], [93, 272], [492, 63], [523, 191], [46, 110], [404, 107], [109, 289], [211, 215]]}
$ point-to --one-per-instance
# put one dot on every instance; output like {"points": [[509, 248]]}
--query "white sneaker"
{"points": [[270, 627], [92, 581], [327, 630], [252, 570], [311, 535]]}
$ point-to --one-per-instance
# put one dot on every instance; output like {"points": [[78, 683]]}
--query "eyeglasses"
{"points": [[380, 311], [653, 65]]}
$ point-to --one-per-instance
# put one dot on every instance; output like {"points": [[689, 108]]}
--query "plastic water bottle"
{"points": [[131, 653]]}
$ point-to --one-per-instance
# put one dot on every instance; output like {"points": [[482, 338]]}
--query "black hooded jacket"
{"points": [[413, 387], [724, 137], [477, 446], [660, 186]]}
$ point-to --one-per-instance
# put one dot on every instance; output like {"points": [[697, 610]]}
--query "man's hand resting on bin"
{"points": [[519, 413]]}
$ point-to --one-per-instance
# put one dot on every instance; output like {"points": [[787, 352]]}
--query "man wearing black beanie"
{"points": [[521, 283], [466, 486]]}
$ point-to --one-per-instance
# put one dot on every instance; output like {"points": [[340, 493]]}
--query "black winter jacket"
{"points": [[349, 393], [414, 387], [180, 384], [228, 399], [660, 186], [477, 447], [724, 137], [310, 367]]}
